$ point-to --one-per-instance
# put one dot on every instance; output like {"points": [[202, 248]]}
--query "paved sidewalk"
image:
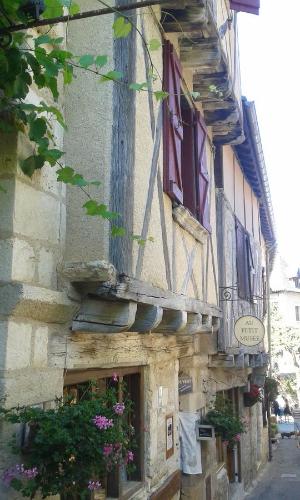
{"points": [[281, 478]]}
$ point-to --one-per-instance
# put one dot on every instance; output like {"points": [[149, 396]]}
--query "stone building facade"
{"points": [[285, 311], [77, 304]]}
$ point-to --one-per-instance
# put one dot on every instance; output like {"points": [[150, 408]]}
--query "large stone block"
{"points": [[36, 214], [47, 268], [30, 386], [24, 261], [40, 346], [41, 304], [15, 345], [7, 206]]}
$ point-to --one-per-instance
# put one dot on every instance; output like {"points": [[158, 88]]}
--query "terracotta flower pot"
{"points": [[249, 400], [99, 495]]}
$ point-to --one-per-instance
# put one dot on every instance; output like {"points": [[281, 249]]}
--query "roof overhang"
{"points": [[251, 159]]}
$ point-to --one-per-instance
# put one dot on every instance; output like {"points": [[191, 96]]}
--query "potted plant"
{"points": [[227, 424], [72, 447], [253, 396]]}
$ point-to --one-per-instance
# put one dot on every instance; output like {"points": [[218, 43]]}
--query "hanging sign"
{"points": [[185, 384], [249, 330]]}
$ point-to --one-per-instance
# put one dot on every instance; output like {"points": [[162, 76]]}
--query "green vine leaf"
{"points": [[121, 27], [53, 155], [42, 40], [54, 8], [93, 208], [111, 75], [69, 176], [86, 60], [138, 86], [32, 163], [68, 74], [160, 95], [38, 128], [154, 44], [101, 61], [117, 231], [72, 6]]}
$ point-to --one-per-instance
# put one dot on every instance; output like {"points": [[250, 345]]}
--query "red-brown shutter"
{"points": [[173, 130], [189, 175], [242, 262], [202, 174], [250, 6]]}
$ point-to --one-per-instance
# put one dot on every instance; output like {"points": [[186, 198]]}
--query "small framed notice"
{"points": [[169, 436]]}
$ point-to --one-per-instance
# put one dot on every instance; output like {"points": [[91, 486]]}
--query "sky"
{"points": [[270, 72]]}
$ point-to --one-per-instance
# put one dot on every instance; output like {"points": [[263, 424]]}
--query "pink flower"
{"points": [[237, 437], [129, 456], [18, 471], [9, 475], [115, 377], [226, 443], [102, 422], [119, 408], [94, 485], [30, 473], [107, 449]]}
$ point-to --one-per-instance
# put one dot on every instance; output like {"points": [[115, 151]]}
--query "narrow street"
{"points": [[281, 478]]}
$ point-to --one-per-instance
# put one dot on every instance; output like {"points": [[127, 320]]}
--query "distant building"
{"points": [[285, 306]]}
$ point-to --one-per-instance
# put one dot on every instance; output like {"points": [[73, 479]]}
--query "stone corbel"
{"points": [[200, 323], [172, 322], [147, 318], [99, 316]]}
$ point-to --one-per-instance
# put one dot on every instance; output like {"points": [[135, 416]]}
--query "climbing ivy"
{"points": [[28, 60]]}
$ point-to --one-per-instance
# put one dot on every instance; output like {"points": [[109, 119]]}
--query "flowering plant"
{"points": [[73, 446], [227, 424], [253, 396]]}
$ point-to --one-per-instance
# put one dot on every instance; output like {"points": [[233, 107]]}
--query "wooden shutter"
{"points": [[250, 6], [241, 262], [202, 174], [173, 129], [250, 269], [189, 175]]}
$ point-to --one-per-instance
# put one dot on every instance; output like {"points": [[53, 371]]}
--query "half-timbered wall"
{"points": [[236, 199]]}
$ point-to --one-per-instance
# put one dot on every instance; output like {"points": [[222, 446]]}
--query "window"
{"points": [[185, 170], [118, 483], [297, 311], [244, 263], [250, 6]]}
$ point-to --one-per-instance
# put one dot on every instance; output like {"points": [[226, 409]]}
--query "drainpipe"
{"points": [[268, 251]]}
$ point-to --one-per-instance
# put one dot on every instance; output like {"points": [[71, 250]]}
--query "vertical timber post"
{"points": [[123, 148]]}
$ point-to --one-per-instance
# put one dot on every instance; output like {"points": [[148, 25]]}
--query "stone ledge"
{"points": [[37, 303], [97, 270], [187, 221]]}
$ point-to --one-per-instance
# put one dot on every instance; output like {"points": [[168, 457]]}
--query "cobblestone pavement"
{"points": [[281, 478]]}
